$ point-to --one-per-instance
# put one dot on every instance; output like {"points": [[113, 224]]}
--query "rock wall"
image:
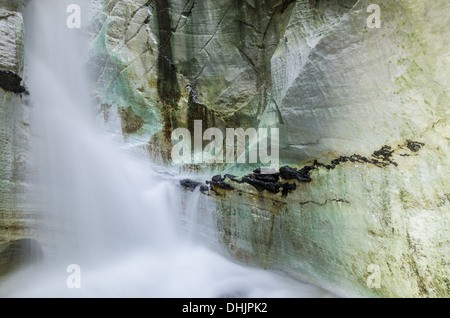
{"points": [[15, 243], [174, 62], [336, 89], [366, 109], [351, 88], [308, 67], [354, 215]]}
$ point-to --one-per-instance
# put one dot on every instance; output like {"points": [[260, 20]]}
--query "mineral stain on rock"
{"points": [[167, 84], [168, 88], [130, 121]]}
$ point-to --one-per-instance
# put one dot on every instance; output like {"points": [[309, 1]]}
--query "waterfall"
{"points": [[106, 211]]}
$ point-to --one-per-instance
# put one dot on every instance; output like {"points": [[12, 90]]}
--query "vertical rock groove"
{"points": [[168, 88]]}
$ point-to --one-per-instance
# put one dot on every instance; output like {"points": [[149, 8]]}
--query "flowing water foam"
{"points": [[105, 210]]}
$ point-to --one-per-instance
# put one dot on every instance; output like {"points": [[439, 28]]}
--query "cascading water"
{"points": [[104, 210]]}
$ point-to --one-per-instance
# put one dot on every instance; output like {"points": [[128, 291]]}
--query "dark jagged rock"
{"points": [[261, 182], [383, 157], [192, 185], [11, 82], [288, 173], [384, 153], [302, 175], [414, 146], [217, 178], [287, 188], [271, 182], [187, 183], [273, 187], [265, 177], [271, 178], [218, 181], [360, 159]]}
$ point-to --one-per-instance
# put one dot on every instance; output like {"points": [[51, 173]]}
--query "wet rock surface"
{"points": [[192, 185], [219, 182], [331, 84]]}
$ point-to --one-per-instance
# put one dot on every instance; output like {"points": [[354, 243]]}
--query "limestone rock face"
{"points": [[350, 88], [335, 87], [13, 133], [347, 224], [174, 62], [307, 67]]}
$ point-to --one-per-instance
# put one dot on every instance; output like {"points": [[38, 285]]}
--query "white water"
{"points": [[104, 210]]}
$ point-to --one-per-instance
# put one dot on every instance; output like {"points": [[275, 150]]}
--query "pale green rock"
{"points": [[334, 87], [345, 220]]}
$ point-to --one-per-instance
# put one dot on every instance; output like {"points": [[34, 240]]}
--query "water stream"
{"points": [[105, 210]]}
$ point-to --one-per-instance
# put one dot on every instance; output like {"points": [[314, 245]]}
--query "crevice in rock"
{"points": [[246, 57], [250, 26], [283, 5], [325, 202], [146, 21], [5, 15], [185, 14], [348, 4], [217, 28]]}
